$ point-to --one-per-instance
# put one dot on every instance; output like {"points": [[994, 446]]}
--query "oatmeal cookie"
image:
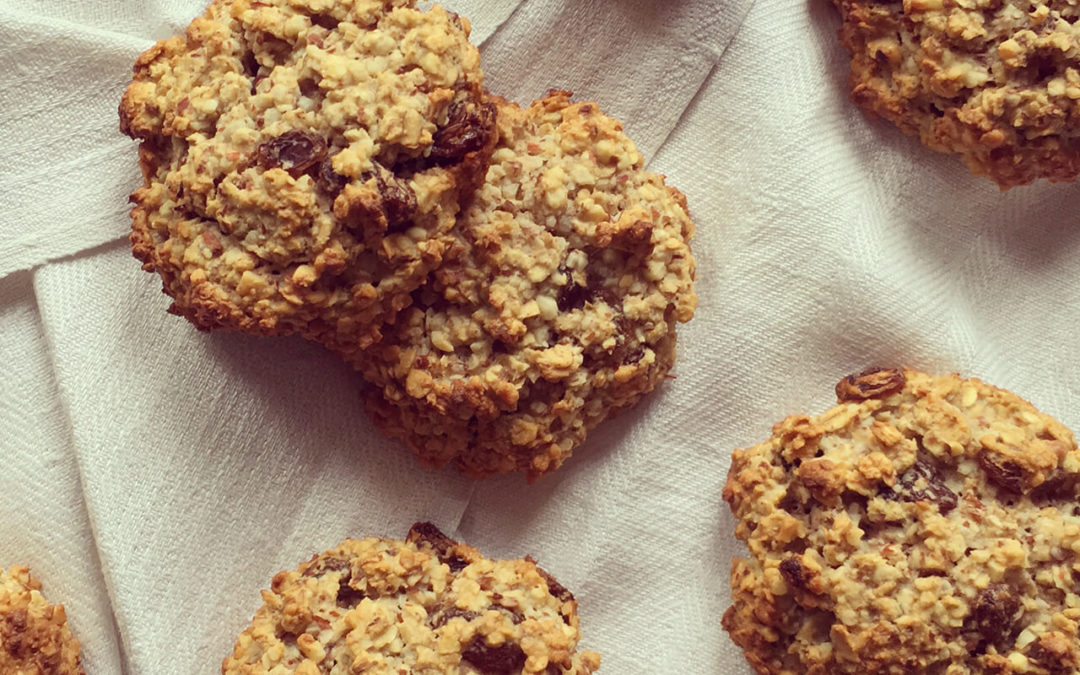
{"points": [[996, 82], [426, 605], [555, 308], [303, 161], [924, 525], [34, 636]]}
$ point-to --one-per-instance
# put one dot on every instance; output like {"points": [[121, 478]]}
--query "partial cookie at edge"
{"points": [[34, 635], [427, 605], [997, 83], [925, 524]]}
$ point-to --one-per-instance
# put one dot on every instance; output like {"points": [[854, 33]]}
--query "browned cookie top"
{"points": [[427, 605], [303, 160], [555, 308], [34, 636], [996, 81], [924, 525]]}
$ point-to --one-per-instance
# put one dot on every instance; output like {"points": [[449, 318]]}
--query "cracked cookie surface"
{"points": [[34, 635], [924, 525], [426, 605], [555, 308], [995, 81], [303, 161]]}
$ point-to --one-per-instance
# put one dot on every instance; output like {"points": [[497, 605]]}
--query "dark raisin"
{"points": [[872, 383], [295, 151], [309, 87], [251, 65], [427, 534], [554, 587], [398, 202], [328, 180], [441, 618], [572, 296], [995, 612], [634, 355], [792, 571], [1059, 486], [923, 482], [468, 128], [327, 22], [506, 658], [1004, 473], [348, 596]]}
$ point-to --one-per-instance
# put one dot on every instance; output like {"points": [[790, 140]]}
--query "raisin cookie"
{"points": [[924, 525], [423, 605], [303, 160], [34, 636], [555, 308], [996, 82]]}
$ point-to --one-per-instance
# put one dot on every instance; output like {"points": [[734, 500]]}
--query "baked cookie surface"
{"points": [[303, 161], [924, 525], [997, 82], [555, 308], [424, 605], [34, 635]]}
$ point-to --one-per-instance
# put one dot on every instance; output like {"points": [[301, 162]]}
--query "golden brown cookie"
{"points": [[34, 636], [923, 525], [997, 82], [303, 161], [556, 307], [426, 605]]}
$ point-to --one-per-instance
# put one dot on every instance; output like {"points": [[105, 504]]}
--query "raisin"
{"points": [[572, 296], [309, 87], [1004, 473], [443, 546], [792, 571], [554, 587], [398, 202], [468, 128], [1059, 486], [348, 596], [506, 658], [251, 65], [923, 482], [325, 21], [995, 612], [872, 383], [445, 616], [328, 180], [295, 151]]}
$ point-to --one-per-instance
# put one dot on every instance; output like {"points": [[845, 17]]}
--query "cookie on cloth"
{"points": [[423, 605], [996, 82], [303, 160], [926, 524], [555, 309], [34, 635]]}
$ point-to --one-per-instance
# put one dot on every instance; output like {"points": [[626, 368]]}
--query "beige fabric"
{"points": [[188, 468]]}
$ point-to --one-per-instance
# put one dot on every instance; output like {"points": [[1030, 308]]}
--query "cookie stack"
{"points": [[505, 278]]}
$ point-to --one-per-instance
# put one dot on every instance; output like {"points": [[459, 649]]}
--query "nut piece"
{"points": [[871, 383]]}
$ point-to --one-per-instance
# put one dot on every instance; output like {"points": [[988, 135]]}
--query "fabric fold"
{"points": [[42, 514]]}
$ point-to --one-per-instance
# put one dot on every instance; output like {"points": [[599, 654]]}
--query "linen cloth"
{"points": [[156, 477]]}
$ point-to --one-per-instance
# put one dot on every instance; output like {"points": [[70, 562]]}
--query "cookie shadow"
{"points": [[518, 506]]}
